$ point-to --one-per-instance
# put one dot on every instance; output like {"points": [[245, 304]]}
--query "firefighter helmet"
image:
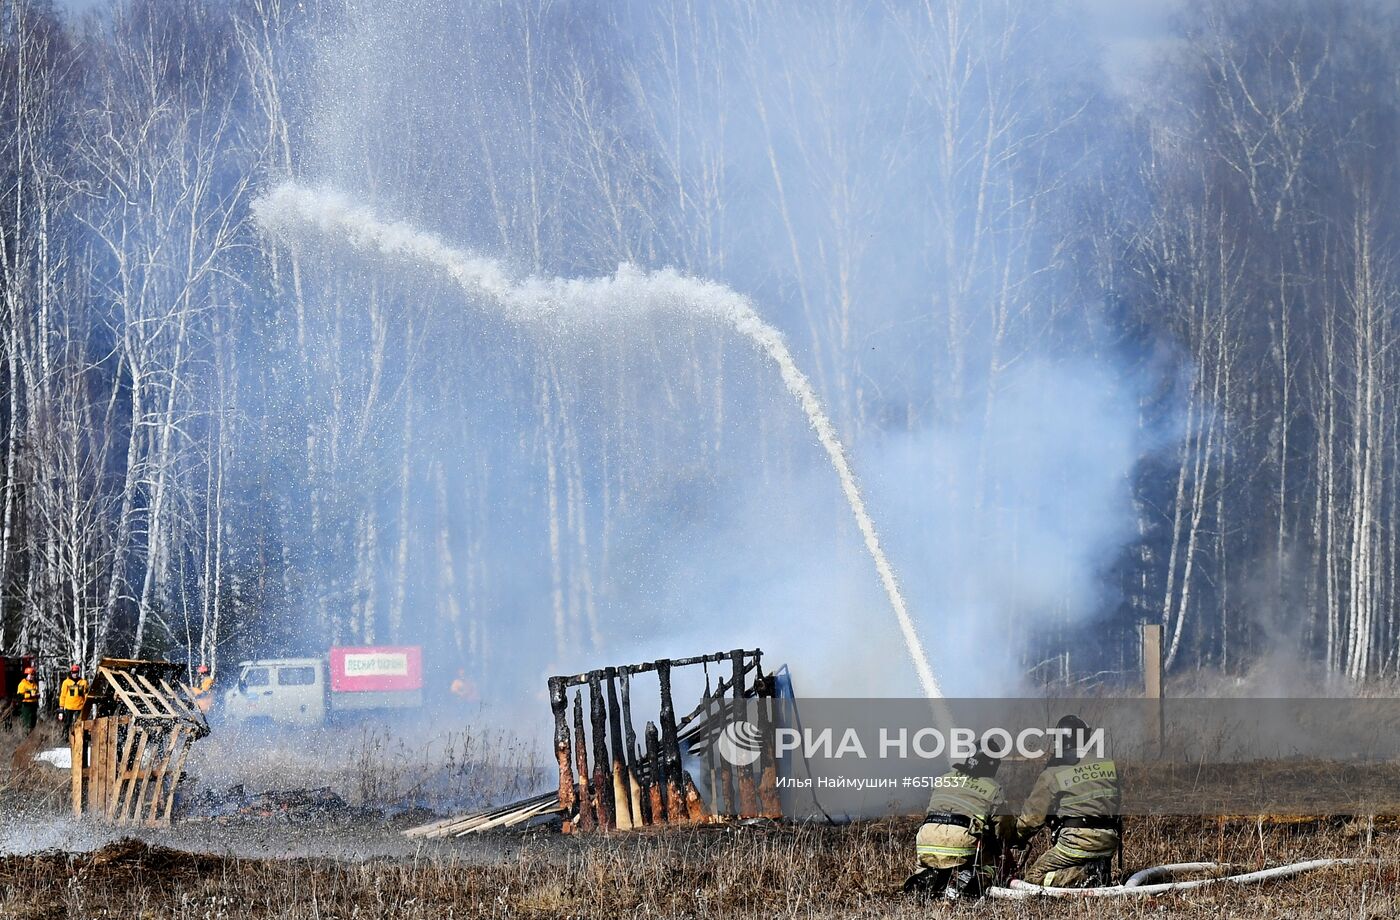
{"points": [[979, 763], [1071, 731]]}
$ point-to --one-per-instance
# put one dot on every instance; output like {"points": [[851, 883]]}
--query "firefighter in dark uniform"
{"points": [[1079, 800], [957, 845]]}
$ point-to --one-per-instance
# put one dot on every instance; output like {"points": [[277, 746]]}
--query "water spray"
{"points": [[292, 207]]}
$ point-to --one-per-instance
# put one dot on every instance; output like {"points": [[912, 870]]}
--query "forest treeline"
{"points": [[212, 444]]}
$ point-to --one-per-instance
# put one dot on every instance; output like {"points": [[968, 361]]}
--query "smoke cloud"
{"points": [[526, 504]]}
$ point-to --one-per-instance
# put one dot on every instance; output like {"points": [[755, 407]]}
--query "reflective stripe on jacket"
{"points": [[1084, 790], [1087, 790], [974, 797], [72, 694]]}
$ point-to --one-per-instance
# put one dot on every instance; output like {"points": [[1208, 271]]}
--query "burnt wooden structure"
{"points": [[129, 747], [622, 786], [626, 787]]}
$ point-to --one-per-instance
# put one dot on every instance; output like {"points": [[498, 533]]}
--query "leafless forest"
{"points": [[213, 445]]}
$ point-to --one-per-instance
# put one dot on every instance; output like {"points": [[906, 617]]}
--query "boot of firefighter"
{"points": [[962, 885], [1099, 873], [926, 881]]}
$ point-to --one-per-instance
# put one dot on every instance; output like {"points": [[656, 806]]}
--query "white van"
{"points": [[288, 690], [310, 691]]}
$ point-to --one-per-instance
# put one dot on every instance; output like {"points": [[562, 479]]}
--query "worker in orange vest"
{"points": [[462, 687], [203, 690], [72, 696], [28, 692]]}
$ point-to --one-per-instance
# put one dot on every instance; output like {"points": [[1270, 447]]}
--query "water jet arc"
{"points": [[293, 207]]}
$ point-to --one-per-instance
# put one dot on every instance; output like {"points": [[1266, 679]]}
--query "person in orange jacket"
{"points": [[203, 690]]}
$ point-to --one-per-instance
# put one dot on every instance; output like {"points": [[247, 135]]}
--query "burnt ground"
{"points": [[332, 851]]}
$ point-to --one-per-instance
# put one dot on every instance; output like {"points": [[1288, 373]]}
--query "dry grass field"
{"points": [[350, 861], [808, 871]]}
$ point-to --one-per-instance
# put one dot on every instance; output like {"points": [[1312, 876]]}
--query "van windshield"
{"points": [[255, 677], [296, 677]]}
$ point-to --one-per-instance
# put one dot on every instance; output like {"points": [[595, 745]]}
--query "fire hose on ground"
{"points": [[1144, 882]]}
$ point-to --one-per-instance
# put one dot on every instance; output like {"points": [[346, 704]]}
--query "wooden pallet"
{"points": [[129, 749]]}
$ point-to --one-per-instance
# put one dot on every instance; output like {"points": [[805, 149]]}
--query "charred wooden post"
{"points": [[621, 788], [641, 807], [622, 792], [558, 704], [676, 810], [587, 812], [747, 790], [694, 805], [721, 771], [656, 784], [770, 802], [602, 784]]}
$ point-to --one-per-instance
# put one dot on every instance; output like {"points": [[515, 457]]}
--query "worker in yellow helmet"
{"points": [[28, 693], [203, 690], [72, 696]]}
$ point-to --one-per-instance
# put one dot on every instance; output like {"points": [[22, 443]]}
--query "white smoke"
{"points": [[292, 208]]}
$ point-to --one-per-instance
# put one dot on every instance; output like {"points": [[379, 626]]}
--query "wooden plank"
{"points": [[139, 775], [177, 770], [482, 821], [511, 818], [173, 740], [141, 701], [119, 773], [126, 664], [444, 826], [184, 701], [132, 773], [105, 741], [659, 664], [96, 802], [161, 700], [1152, 682], [148, 802], [76, 734], [141, 690], [96, 798], [114, 730], [457, 825], [458, 821], [563, 754], [124, 694], [543, 808]]}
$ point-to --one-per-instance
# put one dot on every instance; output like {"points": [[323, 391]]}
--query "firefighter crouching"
{"points": [[957, 844], [1079, 800], [28, 693], [72, 695]]}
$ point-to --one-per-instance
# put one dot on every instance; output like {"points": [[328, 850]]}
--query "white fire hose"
{"points": [[1141, 883]]}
